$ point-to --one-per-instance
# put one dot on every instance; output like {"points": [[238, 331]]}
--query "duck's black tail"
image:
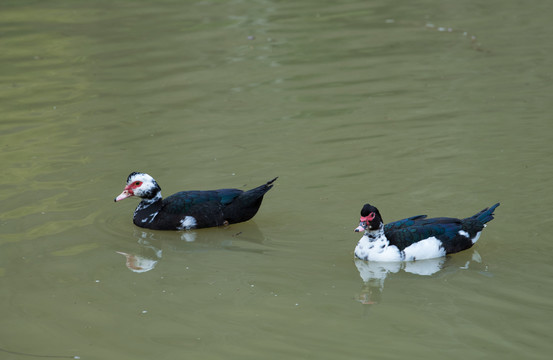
{"points": [[269, 183], [245, 206], [261, 190], [485, 215]]}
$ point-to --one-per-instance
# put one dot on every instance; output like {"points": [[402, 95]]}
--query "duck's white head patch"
{"points": [[142, 185]]}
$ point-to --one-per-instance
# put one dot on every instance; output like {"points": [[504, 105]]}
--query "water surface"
{"points": [[425, 107]]}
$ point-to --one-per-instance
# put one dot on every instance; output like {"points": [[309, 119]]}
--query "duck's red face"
{"points": [[365, 222]]}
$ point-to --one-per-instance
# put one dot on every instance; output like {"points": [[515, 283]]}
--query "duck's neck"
{"points": [[146, 203], [147, 210], [377, 234]]}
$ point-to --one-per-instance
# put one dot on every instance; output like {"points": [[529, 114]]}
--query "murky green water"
{"points": [[436, 107]]}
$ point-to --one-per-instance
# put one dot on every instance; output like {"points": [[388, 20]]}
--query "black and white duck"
{"points": [[417, 238], [190, 209]]}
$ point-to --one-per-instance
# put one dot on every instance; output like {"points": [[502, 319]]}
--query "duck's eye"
{"points": [[137, 183]]}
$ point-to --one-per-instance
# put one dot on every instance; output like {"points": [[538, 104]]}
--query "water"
{"points": [[439, 108]]}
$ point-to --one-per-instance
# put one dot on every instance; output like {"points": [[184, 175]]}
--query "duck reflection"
{"points": [[151, 244], [147, 256], [374, 273]]}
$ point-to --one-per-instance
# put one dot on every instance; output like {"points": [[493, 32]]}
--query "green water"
{"points": [[419, 107]]}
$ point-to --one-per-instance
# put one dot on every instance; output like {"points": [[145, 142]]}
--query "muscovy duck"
{"points": [[190, 209], [417, 238]]}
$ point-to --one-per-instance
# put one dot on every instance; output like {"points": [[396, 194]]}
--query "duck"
{"points": [[188, 210], [416, 237]]}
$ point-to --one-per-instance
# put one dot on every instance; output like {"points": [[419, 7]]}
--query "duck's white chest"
{"points": [[376, 249]]}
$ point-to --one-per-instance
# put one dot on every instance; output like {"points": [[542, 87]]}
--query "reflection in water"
{"points": [[150, 243], [147, 257], [374, 273], [137, 263]]}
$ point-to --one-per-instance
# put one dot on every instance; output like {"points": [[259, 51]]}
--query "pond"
{"points": [[418, 107]]}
